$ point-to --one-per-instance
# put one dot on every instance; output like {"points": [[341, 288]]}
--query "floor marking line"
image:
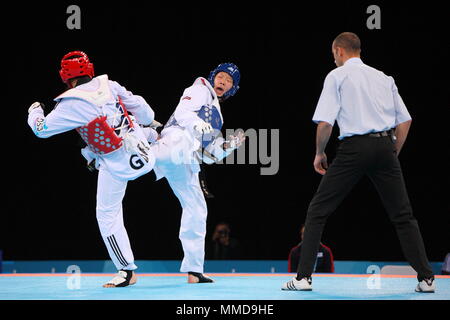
{"points": [[332, 275]]}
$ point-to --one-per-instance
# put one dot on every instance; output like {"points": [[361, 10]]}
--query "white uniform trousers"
{"points": [[186, 186], [193, 219], [110, 193]]}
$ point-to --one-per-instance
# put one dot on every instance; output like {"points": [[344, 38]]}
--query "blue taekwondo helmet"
{"points": [[233, 71]]}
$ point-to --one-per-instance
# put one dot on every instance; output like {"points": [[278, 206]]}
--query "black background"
{"points": [[284, 54]]}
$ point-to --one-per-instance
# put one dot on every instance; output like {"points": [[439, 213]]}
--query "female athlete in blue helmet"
{"points": [[190, 137], [228, 73]]}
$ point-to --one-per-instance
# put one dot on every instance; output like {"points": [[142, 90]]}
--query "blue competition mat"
{"points": [[250, 286]]}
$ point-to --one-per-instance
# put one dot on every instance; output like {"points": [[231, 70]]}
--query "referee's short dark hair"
{"points": [[348, 41]]}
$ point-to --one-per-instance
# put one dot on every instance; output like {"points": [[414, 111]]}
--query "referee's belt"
{"points": [[380, 134]]}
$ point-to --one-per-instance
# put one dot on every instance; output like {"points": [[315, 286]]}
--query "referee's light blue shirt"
{"points": [[361, 99]]}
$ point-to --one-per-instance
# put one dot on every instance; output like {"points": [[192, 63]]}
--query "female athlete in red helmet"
{"points": [[75, 64], [98, 109]]}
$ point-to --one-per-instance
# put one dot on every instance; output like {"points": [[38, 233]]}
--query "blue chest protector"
{"points": [[209, 114]]}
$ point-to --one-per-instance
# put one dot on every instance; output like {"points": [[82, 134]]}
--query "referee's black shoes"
{"points": [[426, 285], [304, 284]]}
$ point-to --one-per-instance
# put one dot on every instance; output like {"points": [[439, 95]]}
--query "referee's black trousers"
{"points": [[375, 157]]}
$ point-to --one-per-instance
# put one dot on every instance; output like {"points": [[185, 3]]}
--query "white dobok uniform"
{"points": [[177, 159], [75, 109]]}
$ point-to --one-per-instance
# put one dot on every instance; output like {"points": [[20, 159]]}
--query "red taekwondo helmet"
{"points": [[75, 64]]}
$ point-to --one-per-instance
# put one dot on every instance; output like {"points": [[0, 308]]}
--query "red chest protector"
{"points": [[100, 136]]}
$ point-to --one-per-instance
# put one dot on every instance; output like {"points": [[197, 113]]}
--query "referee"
{"points": [[374, 124]]}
